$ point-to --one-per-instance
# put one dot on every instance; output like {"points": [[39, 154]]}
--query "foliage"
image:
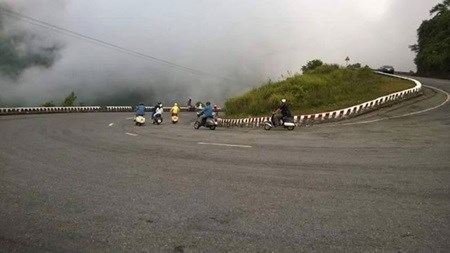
{"points": [[325, 88], [311, 65], [69, 100], [440, 8], [433, 47], [354, 66], [48, 104]]}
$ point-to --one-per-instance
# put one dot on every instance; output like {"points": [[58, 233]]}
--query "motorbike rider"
{"points": [[155, 108], [281, 112], [140, 109], [207, 112], [175, 109], [216, 110], [158, 110]]}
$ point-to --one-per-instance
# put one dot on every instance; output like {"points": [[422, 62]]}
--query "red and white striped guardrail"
{"points": [[55, 109], [332, 115], [67, 109]]}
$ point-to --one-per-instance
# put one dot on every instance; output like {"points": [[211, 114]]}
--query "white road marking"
{"points": [[111, 124], [130, 118], [224, 144], [131, 134], [407, 114]]}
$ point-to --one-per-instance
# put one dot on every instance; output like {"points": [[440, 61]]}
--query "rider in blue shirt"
{"points": [[140, 109], [207, 112]]}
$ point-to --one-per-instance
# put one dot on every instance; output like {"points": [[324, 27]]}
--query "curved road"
{"points": [[95, 182]]}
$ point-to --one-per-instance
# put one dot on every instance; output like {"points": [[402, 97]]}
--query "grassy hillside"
{"points": [[326, 88]]}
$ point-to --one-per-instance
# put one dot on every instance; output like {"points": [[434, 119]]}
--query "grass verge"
{"points": [[326, 88]]}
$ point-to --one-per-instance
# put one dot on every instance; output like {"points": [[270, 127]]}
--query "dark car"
{"points": [[387, 69]]}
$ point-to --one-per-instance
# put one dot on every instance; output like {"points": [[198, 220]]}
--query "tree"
{"points": [[311, 65], [440, 8], [433, 46], [69, 100]]}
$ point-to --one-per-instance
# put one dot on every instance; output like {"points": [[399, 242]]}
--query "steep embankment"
{"points": [[325, 88]]}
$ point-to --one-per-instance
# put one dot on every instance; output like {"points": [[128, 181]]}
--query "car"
{"points": [[387, 69]]}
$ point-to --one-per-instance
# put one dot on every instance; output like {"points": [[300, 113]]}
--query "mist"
{"points": [[234, 45]]}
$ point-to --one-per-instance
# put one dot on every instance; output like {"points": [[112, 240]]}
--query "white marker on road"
{"points": [[224, 144], [111, 124], [130, 118], [131, 134]]}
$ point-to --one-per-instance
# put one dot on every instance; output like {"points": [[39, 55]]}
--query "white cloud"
{"points": [[247, 41]]}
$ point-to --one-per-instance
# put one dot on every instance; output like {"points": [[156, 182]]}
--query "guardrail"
{"points": [[56, 109], [70, 109], [332, 115]]}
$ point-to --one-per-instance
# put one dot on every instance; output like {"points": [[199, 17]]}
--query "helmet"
{"points": [[141, 103], [160, 105], [283, 100], [175, 104], [208, 103], [215, 105]]}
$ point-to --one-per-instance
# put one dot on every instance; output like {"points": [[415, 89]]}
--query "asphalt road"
{"points": [[94, 182]]}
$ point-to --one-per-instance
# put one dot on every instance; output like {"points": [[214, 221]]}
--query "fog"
{"points": [[232, 45]]}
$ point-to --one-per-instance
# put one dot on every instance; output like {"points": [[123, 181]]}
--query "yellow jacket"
{"points": [[175, 109]]}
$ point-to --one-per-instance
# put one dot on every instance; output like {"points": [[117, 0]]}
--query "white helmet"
{"points": [[283, 100]]}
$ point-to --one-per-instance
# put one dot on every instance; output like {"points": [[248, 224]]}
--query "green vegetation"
{"points": [[69, 100], [311, 65], [324, 88], [48, 104], [433, 48]]}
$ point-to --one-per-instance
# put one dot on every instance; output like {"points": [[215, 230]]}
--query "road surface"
{"points": [[95, 182]]}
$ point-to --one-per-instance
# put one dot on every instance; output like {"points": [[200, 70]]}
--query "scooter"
{"points": [[139, 120], [286, 122], [174, 119], [157, 119], [210, 122]]}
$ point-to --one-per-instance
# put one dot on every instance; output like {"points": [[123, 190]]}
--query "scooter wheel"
{"points": [[212, 127], [196, 125], [290, 128], [267, 127]]}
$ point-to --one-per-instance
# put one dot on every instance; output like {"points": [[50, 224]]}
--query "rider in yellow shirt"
{"points": [[175, 109]]}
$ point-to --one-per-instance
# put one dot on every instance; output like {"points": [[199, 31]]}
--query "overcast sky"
{"points": [[238, 43]]}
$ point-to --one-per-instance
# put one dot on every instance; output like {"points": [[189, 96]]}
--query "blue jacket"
{"points": [[207, 111], [140, 110]]}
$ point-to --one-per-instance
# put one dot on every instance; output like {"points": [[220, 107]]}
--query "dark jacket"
{"points": [[285, 110]]}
